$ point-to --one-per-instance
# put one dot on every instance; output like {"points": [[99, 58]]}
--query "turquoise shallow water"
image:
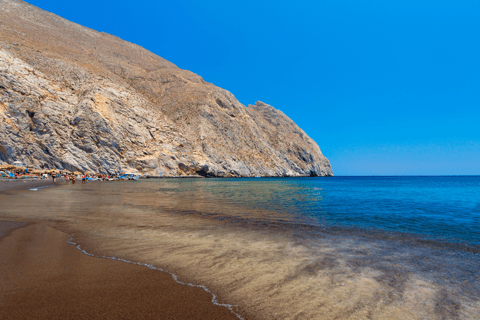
{"points": [[289, 248], [403, 228], [444, 209]]}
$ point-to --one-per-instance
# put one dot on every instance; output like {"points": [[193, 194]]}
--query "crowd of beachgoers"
{"points": [[14, 172]]}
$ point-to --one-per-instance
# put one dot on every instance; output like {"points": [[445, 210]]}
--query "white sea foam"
{"points": [[150, 266], [42, 187]]}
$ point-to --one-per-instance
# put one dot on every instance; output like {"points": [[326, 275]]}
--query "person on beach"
{"points": [[84, 179], [53, 177], [73, 179], [67, 178]]}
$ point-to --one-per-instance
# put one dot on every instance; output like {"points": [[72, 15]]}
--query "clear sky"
{"points": [[383, 87]]}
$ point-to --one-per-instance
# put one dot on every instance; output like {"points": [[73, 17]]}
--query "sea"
{"points": [[287, 248]]}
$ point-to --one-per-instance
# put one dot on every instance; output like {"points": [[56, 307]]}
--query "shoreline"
{"points": [[252, 258], [47, 276], [7, 185], [214, 299]]}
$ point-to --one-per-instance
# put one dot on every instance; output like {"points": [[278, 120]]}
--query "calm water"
{"points": [[436, 208], [289, 248]]}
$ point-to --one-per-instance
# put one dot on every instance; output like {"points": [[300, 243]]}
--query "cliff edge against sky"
{"points": [[78, 99]]}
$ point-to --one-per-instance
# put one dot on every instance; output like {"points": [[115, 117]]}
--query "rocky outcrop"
{"points": [[74, 98]]}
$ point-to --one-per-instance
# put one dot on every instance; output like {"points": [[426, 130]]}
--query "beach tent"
{"points": [[18, 164]]}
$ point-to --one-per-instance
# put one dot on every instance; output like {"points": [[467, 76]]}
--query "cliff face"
{"points": [[78, 99]]}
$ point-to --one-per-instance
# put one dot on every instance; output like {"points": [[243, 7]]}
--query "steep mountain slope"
{"points": [[74, 98]]}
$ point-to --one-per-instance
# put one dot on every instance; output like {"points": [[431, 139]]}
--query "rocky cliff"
{"points": [[74, 98]]}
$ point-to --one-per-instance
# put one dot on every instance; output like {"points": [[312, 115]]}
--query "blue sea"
{"points": [[446, 209], [288, 248]]}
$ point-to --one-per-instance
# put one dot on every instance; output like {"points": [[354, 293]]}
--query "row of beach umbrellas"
{"points": [[11, 167]]}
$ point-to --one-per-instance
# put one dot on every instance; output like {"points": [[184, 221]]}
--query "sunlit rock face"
{"points": [[78, 99]]}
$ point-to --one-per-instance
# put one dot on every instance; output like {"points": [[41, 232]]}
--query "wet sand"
{"points": [[43, 277], [7, 185], [287, 273], [6, 227]]}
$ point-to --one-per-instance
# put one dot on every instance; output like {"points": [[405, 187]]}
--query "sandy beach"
{"points": [[44, 277], [229, 236], [7, 185]]}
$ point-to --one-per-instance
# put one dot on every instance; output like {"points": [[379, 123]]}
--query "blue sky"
{"points": [[384, 87]]}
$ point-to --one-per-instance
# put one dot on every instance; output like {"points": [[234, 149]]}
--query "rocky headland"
{"points": [[77, 99]]}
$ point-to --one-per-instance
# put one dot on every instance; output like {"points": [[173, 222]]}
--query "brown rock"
{"points": [[74, 98]]}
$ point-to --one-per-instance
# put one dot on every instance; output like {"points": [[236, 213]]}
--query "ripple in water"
{"points": [[329, 248]]}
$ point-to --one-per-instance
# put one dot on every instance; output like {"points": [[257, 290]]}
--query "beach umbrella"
{"points": [[7, 167], [19, 169], [77, 173]]}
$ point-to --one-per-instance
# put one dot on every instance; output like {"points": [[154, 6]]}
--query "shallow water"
{"points": [[381, 248]]}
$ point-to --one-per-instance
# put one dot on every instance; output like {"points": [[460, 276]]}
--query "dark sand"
{"points": [[44, 277], [8, 226], [7, 185]]}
